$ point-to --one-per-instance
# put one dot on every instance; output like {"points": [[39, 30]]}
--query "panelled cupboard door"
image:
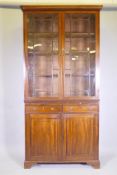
{"points": [[80, 136], [45, 137]]}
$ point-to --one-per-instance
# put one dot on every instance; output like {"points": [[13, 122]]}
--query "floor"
{"points": [[12, 164]]}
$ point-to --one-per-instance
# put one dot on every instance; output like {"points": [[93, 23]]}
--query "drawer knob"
{"points": [[52, 108], [80, 103]]}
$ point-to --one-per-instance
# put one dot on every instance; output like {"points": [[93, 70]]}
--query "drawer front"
{"points": [[80, 108], [44, 108]]}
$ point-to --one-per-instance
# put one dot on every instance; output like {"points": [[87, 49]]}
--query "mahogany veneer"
{"points": [[61, 49]]}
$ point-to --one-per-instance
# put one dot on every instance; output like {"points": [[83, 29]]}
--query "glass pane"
{"points": [[79, 63], [43, 23], [42, 43], [44, 68]]}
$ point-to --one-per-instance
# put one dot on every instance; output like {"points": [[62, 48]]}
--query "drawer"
{"points": [[80, 108], [44, 108]]}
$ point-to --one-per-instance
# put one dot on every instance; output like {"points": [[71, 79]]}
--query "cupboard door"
{"points": [[80, 55], [43, 55], [45, 137], [80, 136]]}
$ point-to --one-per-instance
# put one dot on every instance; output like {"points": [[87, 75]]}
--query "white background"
{"points": [[12, 100], [20, 2]]}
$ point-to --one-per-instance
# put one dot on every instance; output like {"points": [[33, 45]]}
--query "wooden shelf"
{"points": [[77, 92], [33, 53], [80, 75], [76, 52], [45, 76], [43, 34], [78, 34]]}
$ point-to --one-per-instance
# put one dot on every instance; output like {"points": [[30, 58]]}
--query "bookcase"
{"points": [[61, 51]]}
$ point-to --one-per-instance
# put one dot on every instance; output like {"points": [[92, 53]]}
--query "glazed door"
{"points": [[45, 137], [42, 55], [80, 136], [79, 54], [61, 55]]}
